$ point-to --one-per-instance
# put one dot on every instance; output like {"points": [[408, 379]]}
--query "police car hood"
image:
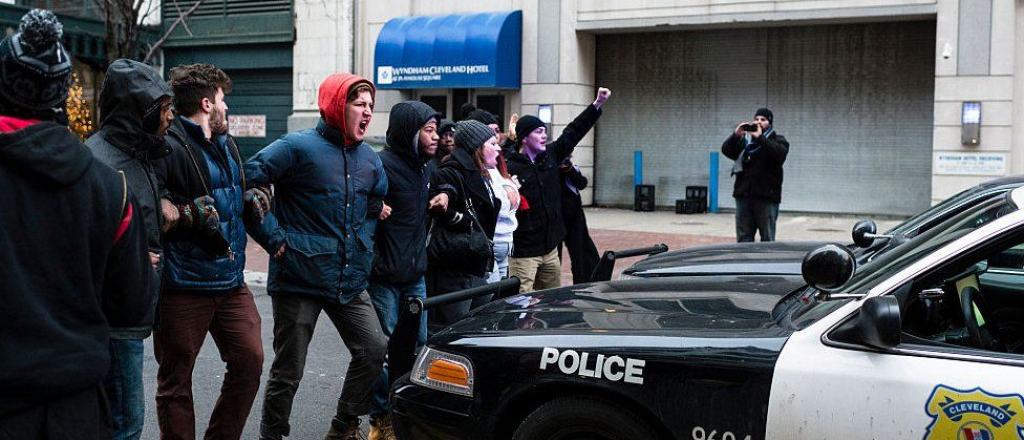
{"points": [[706, 307], [771, 258]]}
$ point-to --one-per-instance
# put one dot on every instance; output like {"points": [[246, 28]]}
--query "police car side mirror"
{"points": [[865, 232], [879, 322], [828, 267]]}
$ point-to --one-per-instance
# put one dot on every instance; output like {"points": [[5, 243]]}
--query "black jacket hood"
{"points": [[129, 89], [404, 124], [47, 150]]}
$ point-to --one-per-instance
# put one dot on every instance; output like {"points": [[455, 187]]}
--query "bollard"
{"points": [[713, 184], [638, 167]]}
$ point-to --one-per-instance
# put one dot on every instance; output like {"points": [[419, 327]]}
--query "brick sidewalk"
{"points": [[605, 239]]}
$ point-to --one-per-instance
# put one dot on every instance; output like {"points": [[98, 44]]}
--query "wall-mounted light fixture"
{"points": [[544, 113], [970, 124]]}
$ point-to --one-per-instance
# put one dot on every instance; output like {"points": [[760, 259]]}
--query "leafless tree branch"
{"points": [[170, 30], [184, 24]]}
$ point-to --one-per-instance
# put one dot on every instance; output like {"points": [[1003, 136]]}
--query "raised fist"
{"points": [[602, 95]]}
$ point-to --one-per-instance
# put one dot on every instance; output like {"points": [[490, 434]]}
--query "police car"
{"points": [[923, 342], [785, 257]]}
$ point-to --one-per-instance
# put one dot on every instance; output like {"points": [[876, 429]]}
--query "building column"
{"points": [[558, 70], [975, 62], [324, 45], [1017, 145]]}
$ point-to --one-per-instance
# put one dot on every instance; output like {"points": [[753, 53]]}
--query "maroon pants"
{"points": [[234, 323]]}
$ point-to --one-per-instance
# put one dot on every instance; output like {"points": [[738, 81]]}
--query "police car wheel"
{"points": [[578, 418]]}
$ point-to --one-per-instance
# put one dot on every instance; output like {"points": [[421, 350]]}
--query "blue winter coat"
{"points": [[322, 193], [198, 167]]}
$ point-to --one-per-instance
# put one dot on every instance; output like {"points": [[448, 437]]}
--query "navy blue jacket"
{"points": [[322, 192], [198, 167]]}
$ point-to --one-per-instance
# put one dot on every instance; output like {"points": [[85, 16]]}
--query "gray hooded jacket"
{"points": [[129, 90]]}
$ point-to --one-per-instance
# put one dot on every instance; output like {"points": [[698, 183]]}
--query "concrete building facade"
{"points": [[870, 93]]}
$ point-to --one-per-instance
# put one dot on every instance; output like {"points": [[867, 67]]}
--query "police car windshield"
{"points": [[806, 309], [916, 248], [930, 214]]}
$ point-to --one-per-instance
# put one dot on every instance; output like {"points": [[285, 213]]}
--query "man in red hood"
{"points": [[329, 187]]}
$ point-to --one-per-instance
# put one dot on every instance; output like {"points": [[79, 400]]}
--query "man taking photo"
{"points": [[759, 153]]}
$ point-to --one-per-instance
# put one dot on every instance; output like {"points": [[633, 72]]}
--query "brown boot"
{"points": [[381, 429], [344, 431]]}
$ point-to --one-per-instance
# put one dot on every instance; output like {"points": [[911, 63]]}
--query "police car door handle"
{"points": [[934, 293]]}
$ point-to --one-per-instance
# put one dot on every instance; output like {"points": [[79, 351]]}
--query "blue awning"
{"points": [[450, 51]]}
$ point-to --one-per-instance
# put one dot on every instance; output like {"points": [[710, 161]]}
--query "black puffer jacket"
{"points": [[129, 89], [540, 216], [762, 168], [75, 264], [400, 241]]}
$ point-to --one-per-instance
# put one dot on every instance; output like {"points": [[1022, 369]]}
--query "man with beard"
{"points": [[136, 107], [204, 256], [759, 153], [328, 190], [74, 250], [400, 260]]}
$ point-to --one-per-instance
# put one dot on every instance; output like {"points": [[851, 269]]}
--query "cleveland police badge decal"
{"points": [[974, 415]]}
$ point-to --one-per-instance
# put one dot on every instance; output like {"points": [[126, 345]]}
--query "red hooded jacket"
{"points": [[333, 95]]}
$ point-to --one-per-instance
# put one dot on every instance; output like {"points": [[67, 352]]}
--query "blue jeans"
{"points": [[502, 250], [386, 299], [123, 386]]}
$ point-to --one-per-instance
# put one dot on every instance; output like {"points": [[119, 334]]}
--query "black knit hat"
{"points": [[445, 126], [470, 135], [471, 113], [763, 111], [525, 125], [35, 70]]}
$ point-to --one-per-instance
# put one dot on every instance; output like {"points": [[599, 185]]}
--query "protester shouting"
{"points": [[535, 163], [464, 177], [328, 187]]}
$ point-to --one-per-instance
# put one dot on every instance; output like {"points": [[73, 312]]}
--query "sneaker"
{"points": [[381, 429], [344, 431]]}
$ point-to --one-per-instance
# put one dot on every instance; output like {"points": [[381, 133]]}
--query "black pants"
{"points": [[80, 416], [755, 216], [295, 319], [583, 254]]}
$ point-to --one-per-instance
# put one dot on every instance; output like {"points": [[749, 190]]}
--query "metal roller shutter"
{"points": [[854, 100], [266, 93]]}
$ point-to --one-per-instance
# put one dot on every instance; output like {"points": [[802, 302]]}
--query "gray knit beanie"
{"points": [[470, 135]]}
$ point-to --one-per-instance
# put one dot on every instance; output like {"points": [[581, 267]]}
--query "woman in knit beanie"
{"points": [[463, 176]]}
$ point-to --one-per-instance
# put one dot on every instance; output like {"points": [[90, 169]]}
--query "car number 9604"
{"points": [[700, 433]]}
